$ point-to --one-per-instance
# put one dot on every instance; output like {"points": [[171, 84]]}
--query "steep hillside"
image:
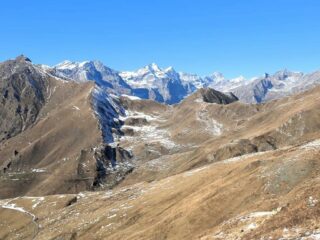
{"points": [[274, 194], [65, 149]]}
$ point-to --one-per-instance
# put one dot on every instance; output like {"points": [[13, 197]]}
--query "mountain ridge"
{"points": [[169, 86]]}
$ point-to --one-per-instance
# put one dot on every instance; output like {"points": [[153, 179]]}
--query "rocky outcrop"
{"points": [[210, 95], [113, 164], [23, 94]]}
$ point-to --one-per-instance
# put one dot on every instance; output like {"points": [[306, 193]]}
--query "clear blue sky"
{"points": [[247, 37]]}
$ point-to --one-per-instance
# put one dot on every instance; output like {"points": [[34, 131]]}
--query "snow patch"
{"points": [[38, 170], [192, 172], [76, 108], [151, 134], [313, 145], [212, 125], [37, 201], [13, 206], [131, 97]]}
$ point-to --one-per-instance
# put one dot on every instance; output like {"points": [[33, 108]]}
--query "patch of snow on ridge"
{"points": [[45, 71], [130, 114], [13, 206], [244, 223], [192, 172], [108, 110], [76, 108], [314, 236], [151, 134], [131, 97], [212, 125], [37, 201], [38, 170], [243, 157], [313, 145]]}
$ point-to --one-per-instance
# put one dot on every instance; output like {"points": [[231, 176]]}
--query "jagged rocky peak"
{"points": [[152, 70], [210, 95], [170, 69], [94, 71], [284, 74], [217, 76], [153, 67], [71, 65]]}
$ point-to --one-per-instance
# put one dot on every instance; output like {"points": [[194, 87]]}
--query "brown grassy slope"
{"points": [[198, 191], [244, 128], [249, 197], [54, 155]]}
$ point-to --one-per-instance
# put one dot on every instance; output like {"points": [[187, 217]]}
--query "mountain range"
{"points": [[170, 87], [84, 156]]}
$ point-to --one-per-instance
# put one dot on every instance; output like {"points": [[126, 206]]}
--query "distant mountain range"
{"points": [[166, 85]]}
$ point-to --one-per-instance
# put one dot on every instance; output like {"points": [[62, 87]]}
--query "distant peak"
{"points": [[217, 75], [64, 63], [23, 58], [81, 64], [153, 67], [238, 79], [67, 64], [169, 69], [283, 74]]}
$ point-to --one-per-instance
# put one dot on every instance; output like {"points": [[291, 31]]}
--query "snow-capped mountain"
{"points": [[200, 82], [280, 84], [168, 86], [92, 71], [150, 82], [162, 85], [257, 89]]}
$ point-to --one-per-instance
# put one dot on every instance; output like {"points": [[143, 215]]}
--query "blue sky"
{"points": [[235, 37]]}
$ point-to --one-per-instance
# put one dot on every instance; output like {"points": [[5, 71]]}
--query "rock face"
{"points": [[113, 164], [210, 95], [23, 93]]}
